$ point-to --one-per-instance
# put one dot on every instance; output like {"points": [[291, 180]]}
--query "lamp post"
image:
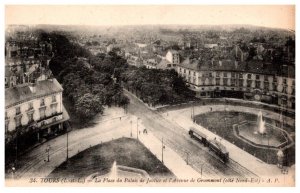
{"points": [[187, 158], [162, 150], [67, 144], [201, 169], [131, 128], [137, 128], [68, 125]]}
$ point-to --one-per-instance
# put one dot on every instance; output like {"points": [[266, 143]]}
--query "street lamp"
{"points": [[48, 152], [137, 128], [187, 158], [131, 128], [68, 126], [201, 169], [162, 150]]}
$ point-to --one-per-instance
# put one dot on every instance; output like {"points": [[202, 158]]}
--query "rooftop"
{"points": [[256, 67], [21, 94]]}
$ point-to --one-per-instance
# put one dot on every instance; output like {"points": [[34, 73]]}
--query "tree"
{"points": [[88, 105]]}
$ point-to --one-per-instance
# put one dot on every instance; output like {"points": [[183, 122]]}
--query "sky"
{"points": [[277, 16]]}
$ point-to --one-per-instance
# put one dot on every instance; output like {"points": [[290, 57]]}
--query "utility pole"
{"points": [[131, 128], [67, 144], [187, 158], [162, 150], [68, 127], [137, 128]]}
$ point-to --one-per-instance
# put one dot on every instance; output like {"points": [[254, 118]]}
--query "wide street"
{"points": [[199, 157], [110, 126]]}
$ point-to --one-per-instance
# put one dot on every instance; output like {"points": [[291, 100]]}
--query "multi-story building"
{"points": [[36, 107], [33, 99], [251, 80], [172, 56]]}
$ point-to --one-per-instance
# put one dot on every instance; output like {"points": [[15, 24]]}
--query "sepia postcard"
{"points": [[150, 95]]}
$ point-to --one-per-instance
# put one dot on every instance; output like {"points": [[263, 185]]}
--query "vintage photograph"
{"points": [[149, 95]]}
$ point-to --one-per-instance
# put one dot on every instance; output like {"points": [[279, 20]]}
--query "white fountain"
{"points": [[113, 171], [261, 129]]}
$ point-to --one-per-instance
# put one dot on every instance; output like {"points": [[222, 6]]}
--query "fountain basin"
{"points": [[272, 137]]}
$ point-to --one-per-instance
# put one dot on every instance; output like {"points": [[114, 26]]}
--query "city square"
{"points": [[150, 104]]}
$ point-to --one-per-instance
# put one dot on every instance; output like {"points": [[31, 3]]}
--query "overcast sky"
{"points": [[278, 16]]}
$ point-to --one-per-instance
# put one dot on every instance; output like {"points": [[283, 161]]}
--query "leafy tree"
{"points": [[88, 106]]}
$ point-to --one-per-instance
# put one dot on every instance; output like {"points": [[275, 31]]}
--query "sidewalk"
{"points": [[111, 127], [171, 159], [183, 119]]}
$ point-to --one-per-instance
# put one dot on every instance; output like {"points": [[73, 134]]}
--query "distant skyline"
{"points": [[275, 16]]}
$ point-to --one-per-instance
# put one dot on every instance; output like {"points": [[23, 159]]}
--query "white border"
{"points": [[207, 2]]}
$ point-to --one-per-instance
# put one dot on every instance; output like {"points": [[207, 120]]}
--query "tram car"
{"points": [[199, 136], [219, 149], [214, 145]]}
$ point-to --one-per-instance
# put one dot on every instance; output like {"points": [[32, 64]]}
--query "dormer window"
{"points": [[42, 102], [18, 110]]}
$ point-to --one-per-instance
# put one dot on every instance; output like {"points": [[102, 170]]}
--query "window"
{"points": [[42, 113], [225, 80], [225, 74], [194, 80], [42, 102], [30, 117], [184, 71], [6, 115], [266, 78], [218, 81], [241, 82], [53, 98], [18, 110], [257, 84], [189, 72], [249, 76], [266, 86], [210, 74], [284, 81], [241, 75], [18, 121], [30, 106], [179, 69], [233, 75], [274, 86], [293, 91], [284, 90], [249, 82], [257, 77], [194, 73], [232, 82], [217, 74]]}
